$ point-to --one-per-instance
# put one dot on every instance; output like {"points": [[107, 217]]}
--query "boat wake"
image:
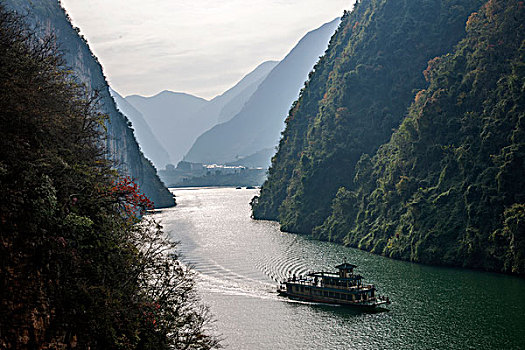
{"points": [[215, 278], [279, 268]]}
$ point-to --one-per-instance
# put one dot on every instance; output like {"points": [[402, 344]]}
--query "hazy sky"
{"points": [[202, 47]]}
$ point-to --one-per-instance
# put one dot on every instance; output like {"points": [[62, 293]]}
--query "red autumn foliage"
{"points": [[128, 194]]}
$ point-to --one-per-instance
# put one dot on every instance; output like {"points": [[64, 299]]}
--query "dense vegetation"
{"points": [[48, 16], [447, 188], [77, 267], [356, 94]]}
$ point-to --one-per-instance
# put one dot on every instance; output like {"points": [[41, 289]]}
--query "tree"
{"points": [[78, 266]]}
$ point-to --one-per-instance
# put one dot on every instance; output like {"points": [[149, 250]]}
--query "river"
{"points": [[238, 262]]}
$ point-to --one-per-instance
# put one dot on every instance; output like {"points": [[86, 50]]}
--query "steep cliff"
{"points": [[48, 17], [80, 266], [358, 92], [448, 187]]}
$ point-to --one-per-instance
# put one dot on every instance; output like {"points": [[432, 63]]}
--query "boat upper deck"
{"points": [[344, 279], [359, 288]]}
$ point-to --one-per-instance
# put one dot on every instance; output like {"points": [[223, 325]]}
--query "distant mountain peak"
{"points": [[261, 70], [167, 94], [259, 122], [148, 143], [177, 118]]}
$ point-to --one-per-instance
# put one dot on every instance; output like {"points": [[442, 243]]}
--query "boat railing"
{"points": [[312, 283]]}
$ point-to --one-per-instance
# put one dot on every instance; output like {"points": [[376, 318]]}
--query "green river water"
{"points": [[239, 261]]}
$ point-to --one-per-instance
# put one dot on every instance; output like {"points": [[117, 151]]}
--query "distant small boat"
{"points": [[238, 188], [250, 188], [343, 287]]}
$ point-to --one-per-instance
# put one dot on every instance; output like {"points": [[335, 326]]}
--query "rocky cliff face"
{"points": [[48, 17]]}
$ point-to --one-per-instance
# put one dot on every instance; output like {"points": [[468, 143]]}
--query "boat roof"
{"points": [[333, 275], [345, 266], [323, 274]]}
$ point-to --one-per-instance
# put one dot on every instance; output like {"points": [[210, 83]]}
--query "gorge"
{"points": [[403, 153]]}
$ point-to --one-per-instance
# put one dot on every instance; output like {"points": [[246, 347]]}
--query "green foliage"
{"points": [[358, 92], [344, 207], [448, 187], [510, 239], [77, 267]]}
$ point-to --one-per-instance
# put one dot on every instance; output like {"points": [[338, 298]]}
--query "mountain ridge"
{"points": [[444, 187], [171, 116], [258, 125], [358, 93], [248, 84], [177, 118], [165, 93]]}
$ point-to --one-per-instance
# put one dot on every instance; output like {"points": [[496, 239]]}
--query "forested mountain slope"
{"points": [[258, 125], [49, 17], [449, 188], [78, 268], [358, 92]]}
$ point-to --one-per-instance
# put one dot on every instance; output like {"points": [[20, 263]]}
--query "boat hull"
{"points": [[357, 305]]}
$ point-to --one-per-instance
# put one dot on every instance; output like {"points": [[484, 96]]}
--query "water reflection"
{"points": [[239, 262]]}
